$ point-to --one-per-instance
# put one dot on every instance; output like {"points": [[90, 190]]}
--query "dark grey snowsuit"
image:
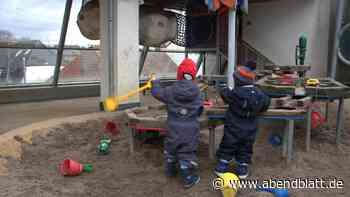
{"points": [[245, 102], [184, 105]]}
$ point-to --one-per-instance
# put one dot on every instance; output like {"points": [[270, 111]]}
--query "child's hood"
{"points": [[185, 91]]}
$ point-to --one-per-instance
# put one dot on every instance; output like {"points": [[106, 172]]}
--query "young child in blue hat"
{"points": [[245, 102]]}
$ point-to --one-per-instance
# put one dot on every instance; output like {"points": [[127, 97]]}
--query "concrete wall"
{"points": [[119, 26], [274, 27]]}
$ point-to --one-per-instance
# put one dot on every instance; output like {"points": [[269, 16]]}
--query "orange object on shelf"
{"points": [[229, 3], [216, 4], [219, 4]]}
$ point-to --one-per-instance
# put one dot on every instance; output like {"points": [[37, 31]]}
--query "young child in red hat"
{"points": [[184, 105]]}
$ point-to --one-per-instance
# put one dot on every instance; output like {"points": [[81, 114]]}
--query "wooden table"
{"points": [[214, 117], [338, 92]]}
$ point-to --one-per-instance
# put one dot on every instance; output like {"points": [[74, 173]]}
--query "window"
{"points": [[26, 25], [26, 66], [80, 66]]}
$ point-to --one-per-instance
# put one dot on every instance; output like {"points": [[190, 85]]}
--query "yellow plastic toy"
{"points": [[230, 185], [112, 103], [312, 82]]}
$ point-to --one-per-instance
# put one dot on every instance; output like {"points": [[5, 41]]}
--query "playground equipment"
{"points": [[73, 168], [112, 103], [230, 184], [156, 25], [300, 51], [343, 50]]}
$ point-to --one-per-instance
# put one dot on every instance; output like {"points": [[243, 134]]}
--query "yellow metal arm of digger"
{"points": [[112, 103]]}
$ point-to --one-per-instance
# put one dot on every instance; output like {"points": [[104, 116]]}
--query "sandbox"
{"points": [[30, 158]]}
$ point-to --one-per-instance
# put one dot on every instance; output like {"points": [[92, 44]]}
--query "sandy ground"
{"points": [[141, 174]]}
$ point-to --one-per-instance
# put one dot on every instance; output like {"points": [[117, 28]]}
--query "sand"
{"points": [[141, 174]]}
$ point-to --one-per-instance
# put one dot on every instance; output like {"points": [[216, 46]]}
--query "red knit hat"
{"points": [[187, 70]]}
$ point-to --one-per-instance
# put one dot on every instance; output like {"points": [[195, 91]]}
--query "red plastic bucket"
{"points": [[70, 168]]}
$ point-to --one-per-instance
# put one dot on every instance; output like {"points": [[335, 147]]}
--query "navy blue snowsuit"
{"points": [[245, 102], [184, 105]]}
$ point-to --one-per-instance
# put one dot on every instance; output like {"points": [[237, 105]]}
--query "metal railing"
{"points": [[246, 52]]}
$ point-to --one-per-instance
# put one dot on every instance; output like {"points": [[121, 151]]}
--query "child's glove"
{"points": [[154, 79]]}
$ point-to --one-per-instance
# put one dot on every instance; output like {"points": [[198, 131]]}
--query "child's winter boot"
{"points": [[222, 166], [187, 170], [242, 170], [170, 168]]}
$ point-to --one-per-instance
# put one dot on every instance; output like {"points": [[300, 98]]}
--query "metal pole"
{"points": [[285, 140], [8, 68], [188, 50], [340, 119], [308, 129], [290, 140], [62, 41], [186, 53], [338, 23], [143, 57], [218, 65], [240, 38], [327, 111], [199, 61], [204, 62], [47, 48], [212, 143], [24, 68], [231, 47], [110, 47]]}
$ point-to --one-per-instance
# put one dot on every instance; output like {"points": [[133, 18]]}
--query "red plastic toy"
{"points": [[73, 168], [317, 119], [208, 104], [112, 128]]}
